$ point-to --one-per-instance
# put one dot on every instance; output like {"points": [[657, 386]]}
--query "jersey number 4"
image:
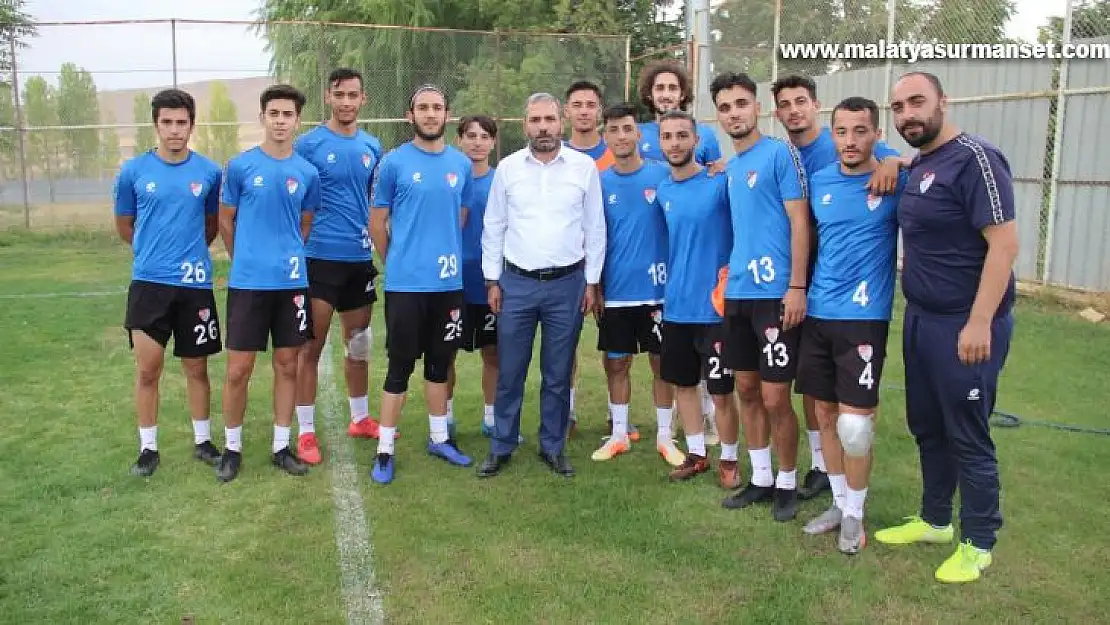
{"points": [[860, 296]]}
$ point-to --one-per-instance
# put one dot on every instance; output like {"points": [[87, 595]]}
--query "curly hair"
{"points": [[652, 70]]}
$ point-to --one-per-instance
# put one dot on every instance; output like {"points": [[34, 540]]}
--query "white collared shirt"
{"points": [[543, 215]]}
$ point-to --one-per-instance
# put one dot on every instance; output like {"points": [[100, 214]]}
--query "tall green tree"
{"points": [[15, 25], [44, 147], [1089, 18], [145, 138], [219, 143], [9, 140], [78, 106]]}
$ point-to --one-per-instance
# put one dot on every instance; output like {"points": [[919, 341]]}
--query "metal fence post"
{"points": [[173, 44], [1057, 141], [891, 12], [21, 132], [775, 40], [627, 66], [497, 81]]}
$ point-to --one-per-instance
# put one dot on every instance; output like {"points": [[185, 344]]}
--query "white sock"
{"points": [[817, 458], [234, 438], [729, 452], [787, 480], [695, 444], [281, 437], [438, 428], [148, 438], [360, 408], [761, 467], [620, 420], [306, 416], [663, 425], [488, 416], [572, 415], [839, 485], [855, 503], [202, 430], [385, 439], [450, 411]]}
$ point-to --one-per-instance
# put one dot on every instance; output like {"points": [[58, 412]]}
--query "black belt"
{"points": [[549, 273]]}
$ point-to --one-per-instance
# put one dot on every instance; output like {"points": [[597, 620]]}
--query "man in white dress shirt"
{"points": [[543, 245]]}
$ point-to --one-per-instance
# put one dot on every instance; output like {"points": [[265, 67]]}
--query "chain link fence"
{"points": [[83, 107], [1040, 105]]}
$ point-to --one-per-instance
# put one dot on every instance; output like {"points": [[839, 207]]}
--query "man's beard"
{"points": [[534, 143], [429, 136], [686, 158], [741, 134]]}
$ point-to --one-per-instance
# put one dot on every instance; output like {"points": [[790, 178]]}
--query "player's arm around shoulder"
{"points": [[124, 203]]}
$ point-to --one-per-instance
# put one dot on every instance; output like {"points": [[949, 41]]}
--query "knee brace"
{"points": [[856, 432], [436, 369], [397, 375], [358, 348]]}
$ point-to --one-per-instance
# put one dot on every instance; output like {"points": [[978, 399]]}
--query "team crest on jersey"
{"points": [[258, 181], [752, 177], [196, 188], [772, 334], [366, 161], [926, 181], [452, 179], [873, 201], [291, 185], [204, 314], [657, 316], [298, 300], [331, 157], [865, 352], [827, 199], [649, 195], [150, 187], [717, 347], [455, 314], [612, 199]]}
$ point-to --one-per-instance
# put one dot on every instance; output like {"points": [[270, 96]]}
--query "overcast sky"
{"points": [[140, 55]]}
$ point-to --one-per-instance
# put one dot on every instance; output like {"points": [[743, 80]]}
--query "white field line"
{"points": [[352, 534], [62, 294]]}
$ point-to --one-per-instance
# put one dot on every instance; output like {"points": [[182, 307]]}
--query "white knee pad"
{"points": [[856, 433], [358, 348]]}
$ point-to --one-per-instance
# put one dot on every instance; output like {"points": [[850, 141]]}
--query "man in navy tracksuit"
{"points": [[960, 242]]}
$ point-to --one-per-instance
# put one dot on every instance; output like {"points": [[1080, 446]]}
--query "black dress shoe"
{"points": [[492, 465], [558, 464]]}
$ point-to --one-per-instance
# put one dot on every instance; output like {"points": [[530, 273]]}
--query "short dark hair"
{"points": [[282, 92], [343, 73], [933, 80], [618, 111], [173, 99], [857, 104], [794, 81], [728, 80], [584, 85], [429, 87], [677, 114], [484, 122], [665, 66]]}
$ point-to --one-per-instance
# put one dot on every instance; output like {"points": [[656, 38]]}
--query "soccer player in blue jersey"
{"points": [[632, 281], [699, 238], [843, 344], [766, 290], [341, 271], [419, 205], [266, 206], [665, 86], [797, 108], [477, 135], [960, 242], [165, 202]]}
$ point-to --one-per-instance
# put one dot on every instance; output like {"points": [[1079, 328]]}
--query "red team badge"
{"points": [[452, 180], [717, 347], [865, 352], [366, 161], [298, 300], [926, 181], [752, 176], [649, 195], [291, 184], [772, 334], [873, 201], [204, 314], [196, 188]]}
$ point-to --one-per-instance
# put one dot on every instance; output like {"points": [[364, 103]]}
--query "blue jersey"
{"points": [[953, 193], [821, 152], [706, 151], [424, 193], [346, 166], [760, 180], [269, 195], [474, 283], [169, 202], [857, 247], [699, 236], [635, 269], [595, 152]]}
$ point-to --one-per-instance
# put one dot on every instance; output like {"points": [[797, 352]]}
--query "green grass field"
{"points": [[85, 542]]}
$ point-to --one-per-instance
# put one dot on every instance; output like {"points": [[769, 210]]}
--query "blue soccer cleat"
{"points": [[382, 472], [449, 452]]}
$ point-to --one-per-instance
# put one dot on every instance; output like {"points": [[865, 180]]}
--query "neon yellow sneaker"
{"points": [[965, 565], [670, 453], [611, 449], [915, 530]]}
